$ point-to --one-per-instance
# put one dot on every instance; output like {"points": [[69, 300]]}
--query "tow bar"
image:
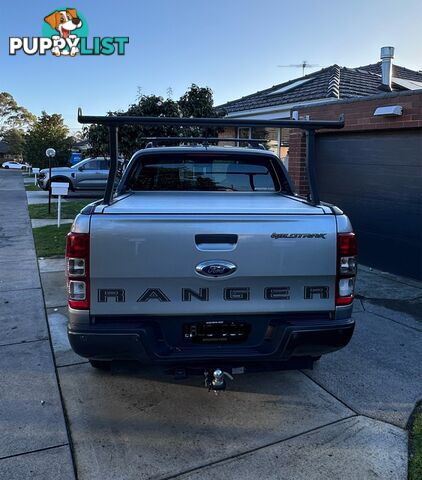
{"points": [[215, 380]]}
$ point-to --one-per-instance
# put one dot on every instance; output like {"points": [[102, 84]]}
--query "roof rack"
{"points": [[114, 121], [205, 141]]}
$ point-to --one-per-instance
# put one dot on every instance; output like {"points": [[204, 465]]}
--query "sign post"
{"points": [[51, 153], [59, 189], [35, 171]]}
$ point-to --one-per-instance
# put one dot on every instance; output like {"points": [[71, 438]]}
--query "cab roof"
{"points": [[210, 149]]}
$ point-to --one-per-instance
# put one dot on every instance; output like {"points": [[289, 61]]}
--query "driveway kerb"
{"points": [[44, 222]]}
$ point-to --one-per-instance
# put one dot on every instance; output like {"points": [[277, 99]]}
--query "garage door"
{"points": [[376, 178]]}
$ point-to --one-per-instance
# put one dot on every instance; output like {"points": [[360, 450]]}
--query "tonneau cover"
{"points": [[212, 203]]}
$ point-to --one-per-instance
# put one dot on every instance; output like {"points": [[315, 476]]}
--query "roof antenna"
{"points": [[305, 64]]}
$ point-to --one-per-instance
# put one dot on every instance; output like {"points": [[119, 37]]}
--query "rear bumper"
{"points": [[156, 340]]}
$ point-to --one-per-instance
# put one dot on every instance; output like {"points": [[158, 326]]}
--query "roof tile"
{"points": [[332, 82]]}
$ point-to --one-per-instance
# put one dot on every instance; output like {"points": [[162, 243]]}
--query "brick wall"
{"points": [[359, 117], [297, 154], [228, 132]]}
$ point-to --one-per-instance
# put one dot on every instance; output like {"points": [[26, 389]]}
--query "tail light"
{"points": [[77, 270], [346, 268]]}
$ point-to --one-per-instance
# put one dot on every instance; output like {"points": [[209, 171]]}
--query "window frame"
{"points": [[281, 178]]}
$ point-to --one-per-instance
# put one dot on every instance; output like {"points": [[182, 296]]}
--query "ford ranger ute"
{"points": [[205, 258]]}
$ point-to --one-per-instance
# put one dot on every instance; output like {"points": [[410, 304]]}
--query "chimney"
{"points": [[387, 55]]}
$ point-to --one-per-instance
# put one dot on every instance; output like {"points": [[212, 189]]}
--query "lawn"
{"points": [[32, 188], [69, 209], [415, 450], [50, 241]]}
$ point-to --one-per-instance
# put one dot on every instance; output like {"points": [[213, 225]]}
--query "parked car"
{"points": [[88, 174], [14, 165], [206, 258]]}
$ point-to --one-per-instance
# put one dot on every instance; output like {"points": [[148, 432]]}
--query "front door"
{"points": [[90, 175]]}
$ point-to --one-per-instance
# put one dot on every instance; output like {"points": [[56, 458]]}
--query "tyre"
{"points": [[100, 364], [7, 166]]}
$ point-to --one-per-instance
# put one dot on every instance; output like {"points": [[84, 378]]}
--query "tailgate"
{"points": [[146, 264]]}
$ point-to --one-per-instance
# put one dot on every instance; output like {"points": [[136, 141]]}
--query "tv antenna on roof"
{"points": [[305, 64]]}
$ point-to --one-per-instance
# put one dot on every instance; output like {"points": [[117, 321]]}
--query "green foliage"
{"points": [[50, 241], [48, 131], [197, 101], [68, 210], [415, 457], [32, 188], [15, 138], [13, 116]]}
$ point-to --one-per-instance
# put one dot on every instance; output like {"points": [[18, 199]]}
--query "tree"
{"points": [[13, 116], [15, 138], [197, 101], [48, 131]]}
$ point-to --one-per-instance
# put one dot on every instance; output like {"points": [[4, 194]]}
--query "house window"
{"points": [[277, 139], [243, 132]]}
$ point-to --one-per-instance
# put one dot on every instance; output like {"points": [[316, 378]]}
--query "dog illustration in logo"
{"points": [[65, 21]]}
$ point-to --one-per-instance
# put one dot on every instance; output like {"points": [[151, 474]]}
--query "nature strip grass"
{"points": [[50, 241], [69, 209], [30, 187], [415, 444]]}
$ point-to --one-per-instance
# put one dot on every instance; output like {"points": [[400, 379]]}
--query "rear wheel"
{"points": [[100, 364]]}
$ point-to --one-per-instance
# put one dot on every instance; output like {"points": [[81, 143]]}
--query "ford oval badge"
{"points": [[215, 268]]}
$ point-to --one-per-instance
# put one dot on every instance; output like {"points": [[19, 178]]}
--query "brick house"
{"points": [[372, 168], [327, 86]]}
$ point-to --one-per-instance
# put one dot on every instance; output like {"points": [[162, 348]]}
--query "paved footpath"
{"points": [[34, 442]]}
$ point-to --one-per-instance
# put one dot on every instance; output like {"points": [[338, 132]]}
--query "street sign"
{"points": [[50, 152], [75, 157]]}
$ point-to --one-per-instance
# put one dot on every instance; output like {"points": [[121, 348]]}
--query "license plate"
{"points": [[216, 332]]}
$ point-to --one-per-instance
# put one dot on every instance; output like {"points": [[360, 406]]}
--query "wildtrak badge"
{"points": [[298, 235], [65, 33]]}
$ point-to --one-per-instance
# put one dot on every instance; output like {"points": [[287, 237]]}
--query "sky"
{"points": [[232, 46]]}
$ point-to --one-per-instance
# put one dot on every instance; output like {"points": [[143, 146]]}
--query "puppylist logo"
{"points": [[65, 33]]}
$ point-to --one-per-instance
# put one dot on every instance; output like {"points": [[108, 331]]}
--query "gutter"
{"points": [[275, 110]]}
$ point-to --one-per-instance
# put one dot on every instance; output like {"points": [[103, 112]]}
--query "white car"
{"points": [[15, 165]]}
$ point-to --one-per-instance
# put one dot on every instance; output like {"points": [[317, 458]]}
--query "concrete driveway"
{"points": [[345, 419]]}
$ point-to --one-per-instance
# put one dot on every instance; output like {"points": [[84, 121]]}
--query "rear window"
{"points": [[199, 172]]}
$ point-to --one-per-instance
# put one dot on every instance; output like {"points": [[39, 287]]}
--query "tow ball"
{"points": [[215, 380]]}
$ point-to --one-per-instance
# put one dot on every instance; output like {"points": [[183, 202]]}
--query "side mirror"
{"points": [[81, 169]]}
